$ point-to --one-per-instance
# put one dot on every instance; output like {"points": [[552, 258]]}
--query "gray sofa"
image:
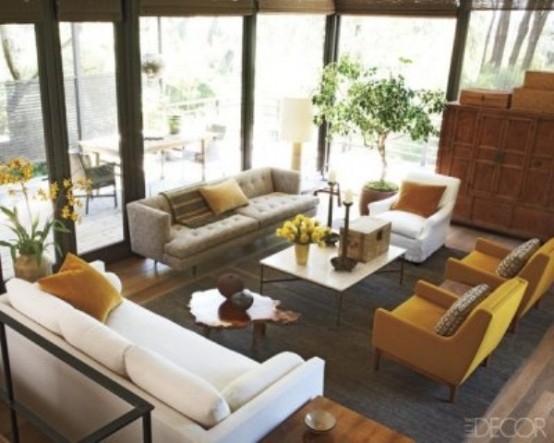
{"points": [[273, 196]]}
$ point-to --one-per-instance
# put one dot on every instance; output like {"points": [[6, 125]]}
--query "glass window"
{"points": [[427, 44], [502, 45], [192, 70], [88, 57], [21, 126], [289, 59]]}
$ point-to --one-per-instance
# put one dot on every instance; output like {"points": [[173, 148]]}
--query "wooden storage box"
{"points": [[368, 237], [536, 100], [539, 80], [485, 97]]}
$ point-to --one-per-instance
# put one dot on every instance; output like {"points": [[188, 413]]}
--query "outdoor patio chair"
{"points": [[99, 177]]}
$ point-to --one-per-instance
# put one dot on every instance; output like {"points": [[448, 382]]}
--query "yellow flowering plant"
{"points": [[303, 230], [33, 239]]}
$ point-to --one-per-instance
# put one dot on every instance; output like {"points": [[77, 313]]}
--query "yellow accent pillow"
{"points": [[224, 196], [419, 198], [83, 287]]}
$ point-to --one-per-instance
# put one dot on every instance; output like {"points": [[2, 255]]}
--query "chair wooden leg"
{"points": [[453, 393], [513, 326], [486, 361], [376, 359]]}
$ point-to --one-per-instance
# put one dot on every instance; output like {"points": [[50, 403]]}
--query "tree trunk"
{"points": [[500, 37], [6, 49], [539, 19], [522, 31], [381, 147], [487, 40]]}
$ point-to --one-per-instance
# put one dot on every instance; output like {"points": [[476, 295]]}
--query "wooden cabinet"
{"points": [[505, 159]]}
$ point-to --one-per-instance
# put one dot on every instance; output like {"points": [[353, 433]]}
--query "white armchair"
{"points": [[420, 236]]}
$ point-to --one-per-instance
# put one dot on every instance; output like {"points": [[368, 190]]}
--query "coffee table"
{"points": [[213, 311], [351, 427], [320, 271]]}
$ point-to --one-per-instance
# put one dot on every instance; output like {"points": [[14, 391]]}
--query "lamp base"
{"points": [[296, 159]]}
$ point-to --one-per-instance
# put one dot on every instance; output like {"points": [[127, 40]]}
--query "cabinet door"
{"points": [[517, 140], [488, 153], [456, 150], [538, 183]]}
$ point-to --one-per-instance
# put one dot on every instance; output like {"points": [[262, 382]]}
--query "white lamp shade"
{"points": [[296, 119]]}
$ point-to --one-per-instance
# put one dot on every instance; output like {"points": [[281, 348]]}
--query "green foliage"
{"points": [[382, 186], [354, 99]]}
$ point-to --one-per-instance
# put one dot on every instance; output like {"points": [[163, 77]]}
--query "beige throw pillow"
{"points": [[224, 196]]}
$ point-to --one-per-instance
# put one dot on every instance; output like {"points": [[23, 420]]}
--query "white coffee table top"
{"points": [[319, 269]]}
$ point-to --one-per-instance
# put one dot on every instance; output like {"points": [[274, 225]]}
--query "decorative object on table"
{"points": [[32, 231], [320, 420], [354, 99], [242, 300], [296, 126], [303, 231], [229, 284], [367, 238], [341, 262]]}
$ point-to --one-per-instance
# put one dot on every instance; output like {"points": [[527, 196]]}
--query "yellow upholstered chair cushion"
{"points": [[83, 287], [224, 196], [418, 198]]}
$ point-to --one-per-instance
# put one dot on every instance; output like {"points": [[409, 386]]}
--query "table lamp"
{"points": [[296, 126]]}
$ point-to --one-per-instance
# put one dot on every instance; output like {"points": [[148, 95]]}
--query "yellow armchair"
{"points": [[407, 333], [479, 267]]}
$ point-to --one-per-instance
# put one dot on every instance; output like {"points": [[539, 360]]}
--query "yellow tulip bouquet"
{"points": [[303, 230]]}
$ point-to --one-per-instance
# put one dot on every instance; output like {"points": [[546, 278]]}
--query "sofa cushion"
{"points": [[419, 198], [185, 241], [188, 207], [189, 350], [182, 390], [404, 223], [275, 207], [243, 389], [224, 196], [83, 287], [41, 307], [95, 339], [256, 182], [453, 318], [510, 265]]}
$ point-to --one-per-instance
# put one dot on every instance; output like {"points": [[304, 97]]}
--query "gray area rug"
{"points": [[394, 396]]}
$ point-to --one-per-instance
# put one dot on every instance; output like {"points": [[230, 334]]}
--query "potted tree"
{"points": [[356, 100]]}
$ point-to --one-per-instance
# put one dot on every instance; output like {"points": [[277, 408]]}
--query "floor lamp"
{"points": [[296, 126]]}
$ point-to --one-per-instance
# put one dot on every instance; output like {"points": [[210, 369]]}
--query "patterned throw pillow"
{"points": [[513, 263], [452, 319]]}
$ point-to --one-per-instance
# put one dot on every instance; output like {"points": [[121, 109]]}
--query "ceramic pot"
{"points": [[301, 253], [242, 300], [368, 196], [27, 268]]}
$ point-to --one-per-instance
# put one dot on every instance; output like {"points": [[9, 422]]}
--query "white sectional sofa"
{"points": [[201, 391]]}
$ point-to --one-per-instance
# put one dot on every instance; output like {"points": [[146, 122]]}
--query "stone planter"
{"points": [[368, 196], [26, 267]]}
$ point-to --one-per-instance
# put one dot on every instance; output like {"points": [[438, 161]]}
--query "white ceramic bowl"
{"points": [[320, 420]]}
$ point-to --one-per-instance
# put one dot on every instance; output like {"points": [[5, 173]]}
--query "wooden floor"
{"points": [[531, 389]]}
